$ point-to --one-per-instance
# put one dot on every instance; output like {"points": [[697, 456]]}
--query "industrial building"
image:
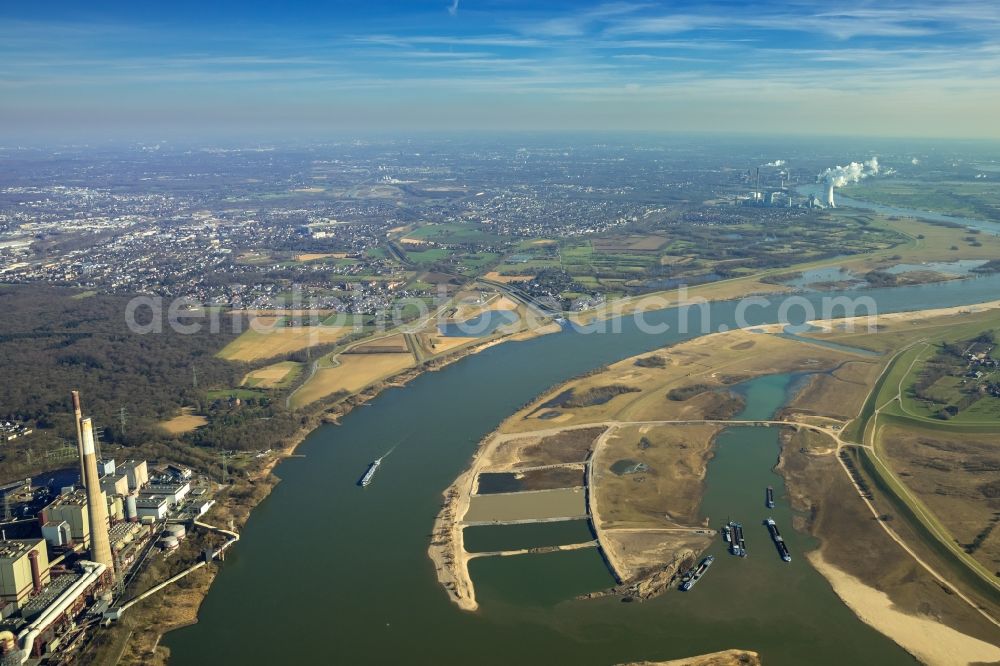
{"points": [[57, 533], [173, 493], [115, 484], [70, 508], [156, 507], [51, 609], [106, 467], [137, 473], [24, 570]]}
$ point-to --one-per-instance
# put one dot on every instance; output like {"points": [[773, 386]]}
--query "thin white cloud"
{"points": [[579, 23]]}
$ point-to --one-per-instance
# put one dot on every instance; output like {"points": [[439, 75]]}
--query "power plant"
{"points": [[65, 573], [839, 176], [47, 595], [761, 194]]}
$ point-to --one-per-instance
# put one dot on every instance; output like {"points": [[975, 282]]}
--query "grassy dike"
{"points": [[866, 430]]}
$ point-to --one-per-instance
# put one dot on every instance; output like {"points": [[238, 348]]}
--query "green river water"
{"points": [[329, 573]]}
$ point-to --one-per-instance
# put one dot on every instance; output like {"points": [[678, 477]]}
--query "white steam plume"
{"points": [[776, 163], [840, 176]]}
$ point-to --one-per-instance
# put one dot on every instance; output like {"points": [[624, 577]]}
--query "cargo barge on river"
{"points": [[779, 542]]}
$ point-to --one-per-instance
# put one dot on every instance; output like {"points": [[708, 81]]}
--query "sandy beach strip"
{"points": [[931, 642]]}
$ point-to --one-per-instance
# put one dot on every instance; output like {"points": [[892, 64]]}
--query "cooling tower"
{"points": [[100, 542], [829, 195]]}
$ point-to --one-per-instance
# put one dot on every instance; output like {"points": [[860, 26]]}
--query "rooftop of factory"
{"points": [[49, 593], [14, 548], [169, 488], [119, 530], [75, 497], [150, 500]]}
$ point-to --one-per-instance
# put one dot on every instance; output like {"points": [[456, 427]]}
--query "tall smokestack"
{"points": [[78, 415], [100, 541], [829, 195], [36, 572]]}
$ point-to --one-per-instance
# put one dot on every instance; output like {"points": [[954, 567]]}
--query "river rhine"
{"points": [[329, 573]]}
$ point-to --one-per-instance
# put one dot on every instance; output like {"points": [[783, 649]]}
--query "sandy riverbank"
{"points": [[931, 642], [724, 658], [447, 549], [859, 323]]}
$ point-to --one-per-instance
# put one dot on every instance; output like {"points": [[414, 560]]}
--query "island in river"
{"points": [[632, 444]]}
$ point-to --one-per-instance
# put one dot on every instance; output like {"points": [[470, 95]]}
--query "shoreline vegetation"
{"points": [[929, 619]]}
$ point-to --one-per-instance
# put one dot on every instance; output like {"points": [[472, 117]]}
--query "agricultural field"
{"points": [[274, 376], [658, 256], [185, 422], [319, 256], [439, 344], [429, 255], [956, 380], [926, 381], [350, 374], [634, 263], [395, 344], [924, 242], [937, 474], [979, 200], [957, 475], [268, 338], [495, 276], [453, 234]]}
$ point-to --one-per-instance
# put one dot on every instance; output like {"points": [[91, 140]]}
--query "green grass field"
{"points": [[963, 198], [453, 233], [417, 256], [242, 394]]}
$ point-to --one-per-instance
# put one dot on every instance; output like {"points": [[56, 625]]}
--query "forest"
{"points": [[54, 340]]}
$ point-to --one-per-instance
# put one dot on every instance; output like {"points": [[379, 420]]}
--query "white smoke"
{"points": [[914, 161], [839, 176], [776, 163]]}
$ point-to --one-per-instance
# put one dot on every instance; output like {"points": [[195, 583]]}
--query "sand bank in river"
{"points": [[929, 641], [724, 658]]}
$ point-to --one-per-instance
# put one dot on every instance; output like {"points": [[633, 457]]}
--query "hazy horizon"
{"points": [[118, 70]]}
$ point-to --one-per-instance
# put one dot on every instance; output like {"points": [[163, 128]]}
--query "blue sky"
{"points": [[908, 68]]}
